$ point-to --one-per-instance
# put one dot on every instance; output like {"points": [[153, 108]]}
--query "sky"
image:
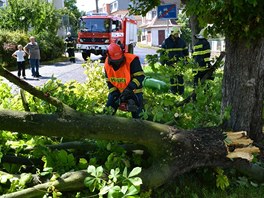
{"points": [[88, 5]]}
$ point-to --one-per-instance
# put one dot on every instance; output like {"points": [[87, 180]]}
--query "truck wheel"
{"points": [[102, 59], [131, 48], [85, 55]]}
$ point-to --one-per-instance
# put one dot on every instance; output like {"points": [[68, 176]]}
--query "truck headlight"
{"points": [[81, 40], [107, 41]]}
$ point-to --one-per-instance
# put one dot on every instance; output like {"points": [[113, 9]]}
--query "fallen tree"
{"points": [[173, 151]]}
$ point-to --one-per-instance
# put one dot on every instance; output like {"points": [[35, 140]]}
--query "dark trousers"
{"points": [[21, 68], [177, 85], [112, 101], [71, 55], [34, 65]]}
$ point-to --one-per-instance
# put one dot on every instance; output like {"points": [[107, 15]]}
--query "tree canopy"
{"points": [[30, 15]]}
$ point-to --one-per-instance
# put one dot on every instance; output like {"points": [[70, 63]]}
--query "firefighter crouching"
{"points": [[124, 76], [69, 42]]}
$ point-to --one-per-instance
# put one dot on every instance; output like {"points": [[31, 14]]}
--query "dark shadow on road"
{"points": [[41, 78]]}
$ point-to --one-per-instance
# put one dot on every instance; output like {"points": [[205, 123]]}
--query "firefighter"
{"points": [[176, 49], [124, 76], [69, 41], [201, 55]]}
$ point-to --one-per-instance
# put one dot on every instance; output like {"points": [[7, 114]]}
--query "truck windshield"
{"points": [[95, 25]]}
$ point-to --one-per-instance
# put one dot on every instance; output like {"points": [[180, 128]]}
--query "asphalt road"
{"points": [[66, 71]]}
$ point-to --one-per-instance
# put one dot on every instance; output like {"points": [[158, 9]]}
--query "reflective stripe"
{"points": [[140, 73], [198, 46], [201, 52], [177, 84], [207, 59], [204, 68], [112, 89], [136, 81], [138, 90], [176, 49]]}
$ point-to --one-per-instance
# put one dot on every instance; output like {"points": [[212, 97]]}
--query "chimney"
{"points": [[107, 8]]}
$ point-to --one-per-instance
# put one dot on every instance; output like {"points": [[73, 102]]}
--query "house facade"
{"points": [[155, 30]]}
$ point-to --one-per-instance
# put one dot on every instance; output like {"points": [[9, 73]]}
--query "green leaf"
{"points": [[114, 174], [137, 181], [5, 178], [125, 172], [135, 172], [99, 171], [132, 191], [124, 189], [25, 177], [115, 192], [91, 169]]}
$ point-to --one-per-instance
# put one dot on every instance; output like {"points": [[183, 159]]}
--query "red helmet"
{"points": [[115, 52]]}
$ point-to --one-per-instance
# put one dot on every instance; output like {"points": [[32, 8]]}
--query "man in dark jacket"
{"points": [[124, 79], [69, 41], [201, 55], [176, 49]]}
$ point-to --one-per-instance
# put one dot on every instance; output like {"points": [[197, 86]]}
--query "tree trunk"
{"points": [[194, 24], [243, 86]]}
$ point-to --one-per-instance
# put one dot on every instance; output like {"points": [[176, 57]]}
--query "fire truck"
{"points": [[97, 31]]}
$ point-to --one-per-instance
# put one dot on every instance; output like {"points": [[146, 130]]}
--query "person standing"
{"points": [[201, 55], [69, 41], [19, 55], [124, 79], [32, 49], [176, 49]]}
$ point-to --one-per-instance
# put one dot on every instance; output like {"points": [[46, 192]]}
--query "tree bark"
{"points": [[243, 86]]}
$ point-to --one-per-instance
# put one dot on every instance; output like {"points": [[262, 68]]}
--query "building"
{"points": [[155, 30], [3, 3]]}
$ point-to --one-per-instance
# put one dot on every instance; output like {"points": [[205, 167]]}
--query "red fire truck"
{"points": [[97, 31]]}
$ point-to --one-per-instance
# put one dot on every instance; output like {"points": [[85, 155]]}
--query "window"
{"points": [[114, 6]]}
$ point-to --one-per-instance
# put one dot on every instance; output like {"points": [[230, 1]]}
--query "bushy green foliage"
{"points": [[8, 45], [51, 45], [237, 19], [113, 184], [30, 15], [205, 111]]}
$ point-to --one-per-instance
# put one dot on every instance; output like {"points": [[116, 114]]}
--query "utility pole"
{"points": [[96, 4]]}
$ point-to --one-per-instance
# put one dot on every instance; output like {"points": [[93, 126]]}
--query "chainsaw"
{"points": [[128, 105]]}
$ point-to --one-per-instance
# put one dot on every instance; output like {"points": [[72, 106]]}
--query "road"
{"points": [[66, 71]]}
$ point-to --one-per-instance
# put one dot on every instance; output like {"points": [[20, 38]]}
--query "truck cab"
{"points": [[97, 31]]}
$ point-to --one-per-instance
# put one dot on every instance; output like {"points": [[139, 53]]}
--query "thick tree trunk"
{"points": [[243, 86]]}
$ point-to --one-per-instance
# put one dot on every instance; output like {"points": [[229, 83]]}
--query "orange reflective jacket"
{"points": [[121, 77]]}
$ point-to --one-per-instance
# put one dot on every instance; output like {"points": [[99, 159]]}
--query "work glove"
{"points": [[115, 95], [126, 94]]}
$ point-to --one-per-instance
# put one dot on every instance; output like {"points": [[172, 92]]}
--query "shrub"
{"points": [[51, 46], [8, 44]]}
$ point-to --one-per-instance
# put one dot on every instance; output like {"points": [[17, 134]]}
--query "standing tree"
{"points": [[30, 15], [242, 23]]}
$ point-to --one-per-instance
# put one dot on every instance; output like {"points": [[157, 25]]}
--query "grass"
{"points": [[193, 185]]}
